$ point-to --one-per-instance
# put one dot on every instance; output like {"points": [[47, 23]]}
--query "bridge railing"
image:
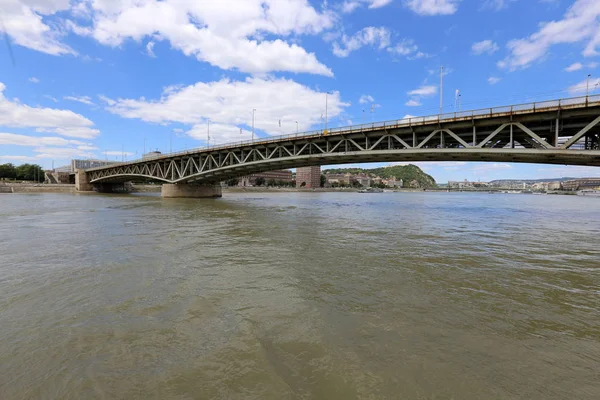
{"points": [[411, 121]]}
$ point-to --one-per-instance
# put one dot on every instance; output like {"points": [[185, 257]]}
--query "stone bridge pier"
{"points": [[169, 190], [172, 190]]}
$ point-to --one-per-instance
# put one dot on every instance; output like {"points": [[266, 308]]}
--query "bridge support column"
{"points": [[82, 183], [190, 190]]}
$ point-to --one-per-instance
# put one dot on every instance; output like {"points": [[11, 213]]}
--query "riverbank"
{"points": [[14, 187]]}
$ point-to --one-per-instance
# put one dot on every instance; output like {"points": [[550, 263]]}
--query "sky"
{"points": [[111, 79]]}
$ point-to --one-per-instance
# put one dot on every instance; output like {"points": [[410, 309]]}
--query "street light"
{"points": [[253, 111], [326, 95], [587, 87], [296, 127], [208, 133]]}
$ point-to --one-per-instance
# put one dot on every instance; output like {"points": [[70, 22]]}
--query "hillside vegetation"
{"points": [[407, 173]]}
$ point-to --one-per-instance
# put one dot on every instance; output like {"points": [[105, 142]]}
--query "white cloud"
{"points": [[491, 167], [404, 48], [412, 103], [81, 99], [365, 98], [350, 5], [497, 4], [425, 91], [578, 66], [432, 7], [574, 67], [23, 22], [64, 153], [492, 80], [228, 34], [579, 24], [379, 37], [369, 36], [64, 122], [24, 140], [582, 87], [229, 103], [33, 79], [46, 147], [149, 49], [51, 98], [485, 46], [9, 158]]}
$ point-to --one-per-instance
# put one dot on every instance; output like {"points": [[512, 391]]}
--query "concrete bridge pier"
{"points": [[191, 190], [82, 183]]}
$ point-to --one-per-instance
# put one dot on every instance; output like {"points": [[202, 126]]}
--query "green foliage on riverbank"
{"points": [[408, 174], [25, 172]]}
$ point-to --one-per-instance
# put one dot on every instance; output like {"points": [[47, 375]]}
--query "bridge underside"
{"points": [[562, 157], [556, 135]]}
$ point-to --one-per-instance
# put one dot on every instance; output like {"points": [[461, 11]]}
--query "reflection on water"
{"points": [[300, 295]]}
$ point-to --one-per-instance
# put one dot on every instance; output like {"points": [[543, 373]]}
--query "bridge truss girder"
{"points": [[571, 137]]}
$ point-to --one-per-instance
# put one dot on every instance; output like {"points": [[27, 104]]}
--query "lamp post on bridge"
{"points": [[208, 133], [296, 127], [253, 111], [326, 95]]}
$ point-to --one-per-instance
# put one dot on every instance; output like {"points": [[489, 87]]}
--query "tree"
{"points": [[259, 181], [271, 182], [8, 171], [303, 184], [30, 172], [323, 180], [232, 182]]}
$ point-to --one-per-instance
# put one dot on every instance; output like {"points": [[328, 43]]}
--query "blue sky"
{"points": [[103, 78]]}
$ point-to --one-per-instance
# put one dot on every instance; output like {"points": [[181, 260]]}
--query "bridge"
{"points": [[565, 131]]}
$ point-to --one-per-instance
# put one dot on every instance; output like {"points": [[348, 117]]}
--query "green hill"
{"points": [[407, 173]]}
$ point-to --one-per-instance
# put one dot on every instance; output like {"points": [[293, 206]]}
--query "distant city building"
{"points": [[279, 176], [583, 183], [309, 176], [82, 164], [338, 178], [363, 180]]}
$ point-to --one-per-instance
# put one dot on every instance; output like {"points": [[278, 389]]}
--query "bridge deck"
{"points": [[558, 131]]}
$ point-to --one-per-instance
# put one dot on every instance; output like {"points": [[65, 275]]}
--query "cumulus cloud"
{"points": [[412, 103], [149, 49], [23, 22], [24, 140], [46, 147], [365, 98], [350, 5], [229, 104], [228, 34], [578, 66], [492, 80], [81, 99], [369, 36], [379, 37], [33, 79], [424, 91], [64, 122], [574, 67], [579, 24], [485, 46], [593, 85], [432, 7]]}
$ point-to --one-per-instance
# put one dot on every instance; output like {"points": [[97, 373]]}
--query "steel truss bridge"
{"points": [[565, 131]]}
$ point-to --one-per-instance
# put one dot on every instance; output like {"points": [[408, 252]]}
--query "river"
{"points": [[300, 296]]}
